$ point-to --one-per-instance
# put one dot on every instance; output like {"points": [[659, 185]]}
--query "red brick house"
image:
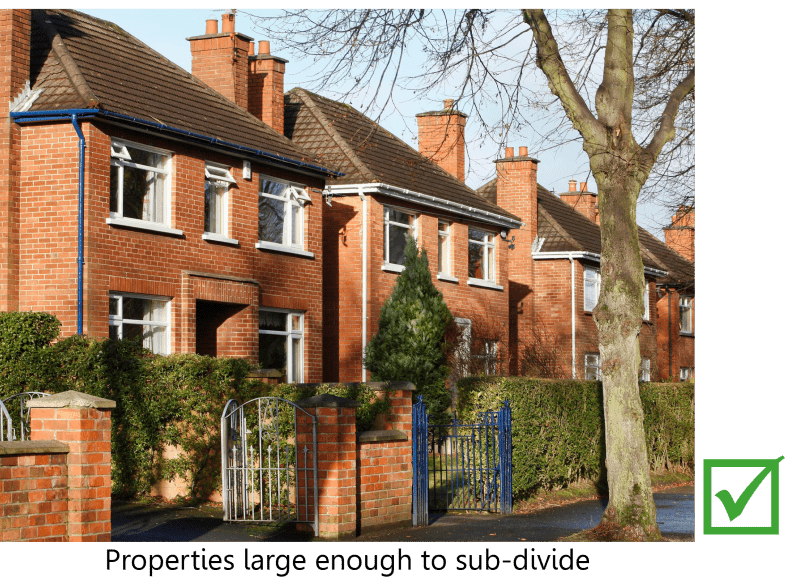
{"points": [[390, 191], [197, 226], [554, 278]]}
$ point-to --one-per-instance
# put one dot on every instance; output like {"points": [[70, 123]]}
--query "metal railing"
{"points": [[18, 426]]}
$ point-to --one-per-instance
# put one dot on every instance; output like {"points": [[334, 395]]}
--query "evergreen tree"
{"points": [[409, 344]]}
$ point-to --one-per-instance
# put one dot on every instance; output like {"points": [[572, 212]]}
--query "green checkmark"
{"points": [[734, 508]]}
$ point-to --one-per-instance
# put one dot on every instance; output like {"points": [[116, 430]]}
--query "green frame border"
{"points": [[707, 466]]}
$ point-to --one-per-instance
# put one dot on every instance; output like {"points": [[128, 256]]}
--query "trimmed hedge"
{"points": [[162, 401], [557, 426]]}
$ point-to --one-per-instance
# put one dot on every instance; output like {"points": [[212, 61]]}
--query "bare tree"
{"points": [[621, 82]]}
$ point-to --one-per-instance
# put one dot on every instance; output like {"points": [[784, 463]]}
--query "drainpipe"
{"points": [[669, 330], [81, 153], [364, 228], [572, 278]]}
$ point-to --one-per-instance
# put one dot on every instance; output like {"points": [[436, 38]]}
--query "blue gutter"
{"points": [[81, 153], [52, 115]]}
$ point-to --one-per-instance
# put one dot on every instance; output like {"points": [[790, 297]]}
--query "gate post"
{"points": [[336, 447], [504, 432], [82, 422], [419, 459]]}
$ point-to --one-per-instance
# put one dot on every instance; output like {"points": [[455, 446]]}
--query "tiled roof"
{"points": [[79, 61], [346, 140], [565, 229]]}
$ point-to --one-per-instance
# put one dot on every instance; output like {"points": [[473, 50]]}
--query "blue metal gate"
{"points": [[461, 466]]}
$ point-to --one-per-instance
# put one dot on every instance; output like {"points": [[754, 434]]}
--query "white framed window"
{"points": [[687, 373], [280, 343], [280, 213], [593, 366], [218, 181], [481, 255], [444, 249], [486, 357], [644, 370], [398, 227], [685, 306], [140, 317], [591, 287], [140, 183], [646, 315]]}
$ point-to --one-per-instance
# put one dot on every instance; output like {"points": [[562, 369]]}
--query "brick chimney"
{"points": [[441, 138], [265, 82], [517, 192], [679, 236], [582, 200], [220, 59], [15, 66]]}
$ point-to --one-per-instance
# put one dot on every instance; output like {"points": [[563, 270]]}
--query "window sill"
{"points": [[143, 225], [483, 283], [218, 238], [687, 334], [393, 268], [267, 246], [449, 278]]}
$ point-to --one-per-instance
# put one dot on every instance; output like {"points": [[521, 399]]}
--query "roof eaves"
{"points": [[426, 200]]}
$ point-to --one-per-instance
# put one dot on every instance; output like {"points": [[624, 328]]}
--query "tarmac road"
{"points": [[133, 522]]}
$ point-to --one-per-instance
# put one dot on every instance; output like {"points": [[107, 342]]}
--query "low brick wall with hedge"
{"points": [[557, 427]]}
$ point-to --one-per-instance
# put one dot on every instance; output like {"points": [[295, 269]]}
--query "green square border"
{"points": [[707, 527]]}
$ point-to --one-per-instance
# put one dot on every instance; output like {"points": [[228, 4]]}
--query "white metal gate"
{"points": [[269, 462]]}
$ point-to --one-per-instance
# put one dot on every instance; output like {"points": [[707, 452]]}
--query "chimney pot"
{"points": [[211, 26], [448, 104], [583, 187], [509, 152], [573, 185], [228, 23], [523, 151], [252, 50], [263, 47]]}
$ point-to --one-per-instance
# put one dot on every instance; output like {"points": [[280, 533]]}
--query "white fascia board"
{"points": [[589, 257], [422, 199]]}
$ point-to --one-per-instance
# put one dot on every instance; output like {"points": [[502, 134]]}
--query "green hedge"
{"points": [[175, 400], [557, 426]]}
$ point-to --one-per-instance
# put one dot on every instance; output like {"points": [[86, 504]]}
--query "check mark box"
{"points": [[740, 496]]}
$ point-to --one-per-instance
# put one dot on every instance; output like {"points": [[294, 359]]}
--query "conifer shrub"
{"points": [[409, 344]]}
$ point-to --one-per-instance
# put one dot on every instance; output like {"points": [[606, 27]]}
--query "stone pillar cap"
{"points": [[71, 399], [327, 400]]}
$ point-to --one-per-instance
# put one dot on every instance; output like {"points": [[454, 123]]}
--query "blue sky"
{"points": [[166, 32]]}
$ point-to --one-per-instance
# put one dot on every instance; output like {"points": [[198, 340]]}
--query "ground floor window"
{"points": [[485, 357], [280, 343], [140, 317], [593, 367], [687, 373]]}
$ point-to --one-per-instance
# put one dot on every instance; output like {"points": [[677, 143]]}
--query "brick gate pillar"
{"points": [[336, 462], [83, 422]]}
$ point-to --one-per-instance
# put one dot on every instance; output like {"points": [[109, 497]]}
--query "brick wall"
{"points": [[343, 279], [33, 491], [675, 350], [384, 476], [183, 268], [15, 30], [57, 486]]}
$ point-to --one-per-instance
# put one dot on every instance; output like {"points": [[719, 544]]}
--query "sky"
{"points": [[166, 32]]}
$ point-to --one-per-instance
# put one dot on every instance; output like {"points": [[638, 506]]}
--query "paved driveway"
{"points": [[132, 522]]}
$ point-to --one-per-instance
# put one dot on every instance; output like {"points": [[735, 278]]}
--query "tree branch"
{"points": [[666, 127]]}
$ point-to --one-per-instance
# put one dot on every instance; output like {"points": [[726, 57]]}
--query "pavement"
{"points": [[136, 522]]}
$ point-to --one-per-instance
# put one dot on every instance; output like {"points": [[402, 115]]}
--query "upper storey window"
{"points": [[139, 183], [481, 255], [218, 181], [280, 213], [398, 226]]}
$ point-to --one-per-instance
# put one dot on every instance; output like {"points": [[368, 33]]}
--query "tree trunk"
{"points": [[631, 512]]}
